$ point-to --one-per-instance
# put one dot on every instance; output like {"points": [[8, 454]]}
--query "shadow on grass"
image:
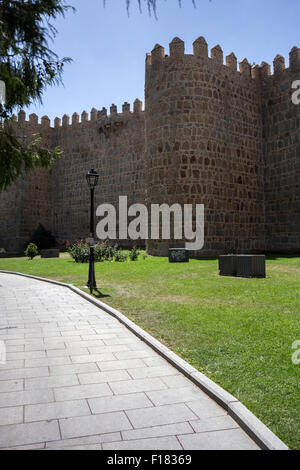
{"points": [[99, 294], [275, 256]]}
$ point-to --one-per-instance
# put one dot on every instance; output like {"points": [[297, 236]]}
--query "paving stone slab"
{"points": [[119, 403], [94, 424], [73, 369], [86, 440], [167, 414], [48, 361], [217, 423], [26, 397], [11, 385], [23, 373], [52, 381], [99, 377], [14, 348], [11, 415], [156, 443], [105, 348], [82, 391], [137, 385], [10, 365], [28, 447], [66, 352], [26, 355], [83, 447], [29, 433], [93, 358], [206, 408], [176, 381], [56, 410], [176, 395], [148, 372], [117, 365], [231, 439], [139, 353], [158, 431]]}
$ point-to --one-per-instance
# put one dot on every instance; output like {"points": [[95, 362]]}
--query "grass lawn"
{"points": [[237, 331]]}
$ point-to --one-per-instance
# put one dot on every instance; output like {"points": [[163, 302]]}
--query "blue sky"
{"points": [[108, 48]]}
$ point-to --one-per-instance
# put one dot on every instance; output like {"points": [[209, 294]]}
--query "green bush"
{"points": [[104, 251], [31, 251], [80, 251], [120, 256], [134, 253]]}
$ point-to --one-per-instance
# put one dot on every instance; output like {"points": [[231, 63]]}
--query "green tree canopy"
{"points": [[27, 67]]}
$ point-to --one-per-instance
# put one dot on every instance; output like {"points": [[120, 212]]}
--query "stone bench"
{"points": [[50, 253], [178, 255], [242, 265]]}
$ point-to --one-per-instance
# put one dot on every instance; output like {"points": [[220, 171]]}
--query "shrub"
{"points": [[104, 251], [100, 251], [111, 252], [120, 256], [134, 253], [80, 251], [31, 251], [2, 251]]}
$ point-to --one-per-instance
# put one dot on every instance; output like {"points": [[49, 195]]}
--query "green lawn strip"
{"points": [[239, 332]]}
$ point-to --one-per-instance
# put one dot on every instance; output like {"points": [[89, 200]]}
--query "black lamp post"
{"points": [[92, 180]]}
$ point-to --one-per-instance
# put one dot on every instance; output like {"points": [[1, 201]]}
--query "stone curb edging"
{"points": [[260, 433]]}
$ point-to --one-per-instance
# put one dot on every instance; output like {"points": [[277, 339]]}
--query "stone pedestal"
{"points": [[51, 253], [178, 255]]}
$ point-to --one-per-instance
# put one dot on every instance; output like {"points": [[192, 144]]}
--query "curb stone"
{"points": [[258, 431]]}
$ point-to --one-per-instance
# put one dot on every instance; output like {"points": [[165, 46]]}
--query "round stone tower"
{"points": [[204, 144]]}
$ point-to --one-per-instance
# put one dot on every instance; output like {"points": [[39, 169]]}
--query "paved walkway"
{"points": [[76, 378]]}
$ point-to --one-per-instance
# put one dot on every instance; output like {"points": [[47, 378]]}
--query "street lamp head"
{"points": [[92, 178]]}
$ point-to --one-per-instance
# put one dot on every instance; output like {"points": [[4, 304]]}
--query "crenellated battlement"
{"points": [[200, 52], [76, 119]]}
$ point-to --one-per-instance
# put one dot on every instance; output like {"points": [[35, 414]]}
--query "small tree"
{"points": [[31, 251]]}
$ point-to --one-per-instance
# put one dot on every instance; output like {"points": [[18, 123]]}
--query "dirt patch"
{"points": [[284, 269]]}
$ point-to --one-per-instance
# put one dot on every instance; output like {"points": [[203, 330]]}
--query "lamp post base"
{"points": [[91, 284]]}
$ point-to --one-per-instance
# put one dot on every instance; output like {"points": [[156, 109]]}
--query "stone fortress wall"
{"points": [[226, 136], [113, 144]]}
